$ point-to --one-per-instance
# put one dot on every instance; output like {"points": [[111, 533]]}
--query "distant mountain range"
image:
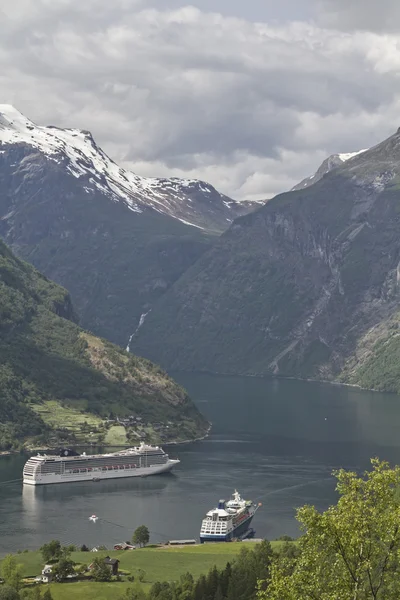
{"points": [[307, 286], [115, 240]]}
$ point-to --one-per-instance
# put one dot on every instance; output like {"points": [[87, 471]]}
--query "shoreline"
{"points": [[271, 377], [5, 453], [198, 439]]}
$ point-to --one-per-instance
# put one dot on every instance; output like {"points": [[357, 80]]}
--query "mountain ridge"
{"points": [[69, 210], [80, 155], [292, 288], [332, 162]]}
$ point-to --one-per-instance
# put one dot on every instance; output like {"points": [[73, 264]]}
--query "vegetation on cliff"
{"points": [[45, 356]]}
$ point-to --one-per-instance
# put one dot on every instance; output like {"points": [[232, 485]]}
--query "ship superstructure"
{"points": [[230, 520], [139, 461]]}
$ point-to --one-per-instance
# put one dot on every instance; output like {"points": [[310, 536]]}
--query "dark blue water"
{"points": [[277, 442]]}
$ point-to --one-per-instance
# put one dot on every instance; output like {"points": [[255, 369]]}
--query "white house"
{"points": [[47, 573]]}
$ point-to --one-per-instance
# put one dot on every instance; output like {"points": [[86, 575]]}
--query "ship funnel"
{"points": [[221, 504]]}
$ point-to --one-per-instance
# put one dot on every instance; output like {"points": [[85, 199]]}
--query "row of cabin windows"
{"points": [[83, 467]]}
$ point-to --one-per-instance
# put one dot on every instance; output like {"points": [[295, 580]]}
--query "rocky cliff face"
{"points": [[292, 288], [115, 240]]}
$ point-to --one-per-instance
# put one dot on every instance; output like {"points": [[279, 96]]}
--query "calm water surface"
{"points": [[276, 441]]}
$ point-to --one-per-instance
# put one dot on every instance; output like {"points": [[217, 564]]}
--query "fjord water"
{"points": [[276, 441]]}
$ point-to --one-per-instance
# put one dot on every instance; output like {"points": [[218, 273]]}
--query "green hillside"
{"points": [[46, 360]]}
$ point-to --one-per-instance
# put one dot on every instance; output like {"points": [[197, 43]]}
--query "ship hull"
{"points": [[99, 475], [235, 533]]}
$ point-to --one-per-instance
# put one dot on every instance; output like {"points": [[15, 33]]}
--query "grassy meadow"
{"points": [[158, 564]]}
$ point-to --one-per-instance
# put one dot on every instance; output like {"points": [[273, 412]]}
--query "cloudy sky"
{"points": [[250, 95]]}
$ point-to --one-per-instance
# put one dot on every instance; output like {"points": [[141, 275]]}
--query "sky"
{"points": [[249, 95]]}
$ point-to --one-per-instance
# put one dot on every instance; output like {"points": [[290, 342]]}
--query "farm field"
{"points": [[158, 564]]}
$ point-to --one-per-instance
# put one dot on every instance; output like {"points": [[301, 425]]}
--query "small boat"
{"points": [[93, 518]]}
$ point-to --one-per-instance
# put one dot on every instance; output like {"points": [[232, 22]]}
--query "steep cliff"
{"points": [[293, 288]]}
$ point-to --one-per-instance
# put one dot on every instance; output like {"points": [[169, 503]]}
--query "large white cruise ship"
{"points": [[229, 521], [140, 461]]}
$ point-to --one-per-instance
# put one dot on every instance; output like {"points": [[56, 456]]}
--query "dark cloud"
{"points": [[252, 107]]}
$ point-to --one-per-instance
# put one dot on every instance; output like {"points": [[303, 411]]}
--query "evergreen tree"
{"points": [[200, 589], [212, 583], [225, 578], [218, 594], [185, 587]]}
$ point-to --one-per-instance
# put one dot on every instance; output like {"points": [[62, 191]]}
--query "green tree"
{"points": [[51, 551], [47, 595], [218, 594], [141, 575], [186, 585], [134, 593], [225, 579], [31, 594], [63, 568], [352, 550], [100, 570], [141, 536], [8, 593], [11, 572]]}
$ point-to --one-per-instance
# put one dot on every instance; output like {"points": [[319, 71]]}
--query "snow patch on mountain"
{"points": [[333, 161], [191, 201], [344, 157]]}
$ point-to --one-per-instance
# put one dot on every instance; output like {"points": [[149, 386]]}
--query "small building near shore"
{"points": [[124, 546], [181, 542], [111, 563], [47, 574]]}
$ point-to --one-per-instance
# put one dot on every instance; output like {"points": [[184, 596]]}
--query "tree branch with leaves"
{"points": [[352, 550]]}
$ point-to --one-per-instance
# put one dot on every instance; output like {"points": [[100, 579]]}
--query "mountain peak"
{"points": [[191, 201], [9, 111], [333, 161], [12, 120]]}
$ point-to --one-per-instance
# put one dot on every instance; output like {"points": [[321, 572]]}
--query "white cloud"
{"points": [[250, 107], [370, 15]]}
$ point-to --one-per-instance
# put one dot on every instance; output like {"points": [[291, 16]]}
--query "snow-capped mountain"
{"points": [[115, 240], [191, 201], [333, 161]]}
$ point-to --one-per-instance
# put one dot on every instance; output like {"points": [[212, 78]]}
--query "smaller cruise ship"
{"points": [[229, 521]]}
